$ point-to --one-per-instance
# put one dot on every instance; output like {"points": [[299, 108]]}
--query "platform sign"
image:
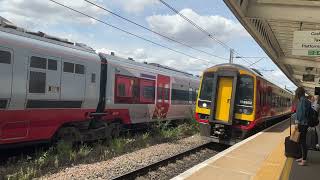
{"points": [[306, 43]]}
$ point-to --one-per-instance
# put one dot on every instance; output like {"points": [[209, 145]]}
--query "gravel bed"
{"points": [[119, 165], [174, 169]]}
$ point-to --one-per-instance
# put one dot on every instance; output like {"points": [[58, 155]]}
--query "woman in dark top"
{"points": [[303, 108]]}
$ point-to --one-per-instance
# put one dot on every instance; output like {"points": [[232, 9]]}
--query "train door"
{"points": [[224, 99], [73, 81], [225, 84], [163, 97], [6, 71]]}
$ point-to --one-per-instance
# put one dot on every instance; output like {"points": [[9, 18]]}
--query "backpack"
{"points": [[313, 118]]}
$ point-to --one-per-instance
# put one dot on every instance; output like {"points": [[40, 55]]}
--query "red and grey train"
{"points": [[234, 100], [52, 88]]}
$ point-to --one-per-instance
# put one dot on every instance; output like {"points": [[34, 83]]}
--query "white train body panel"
{"points": [[59, 85], [47, 84]]}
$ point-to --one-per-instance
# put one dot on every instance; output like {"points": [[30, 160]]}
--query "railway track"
{"points": [[174, 165]]}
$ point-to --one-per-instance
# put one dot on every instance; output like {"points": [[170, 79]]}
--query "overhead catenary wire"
{"points": [[202, 30], [153, 31], [127, 32], [211, 36]]}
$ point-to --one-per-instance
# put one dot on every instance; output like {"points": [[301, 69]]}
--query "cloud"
{"points": [[136, 6], [174, 26], [33, 14]]}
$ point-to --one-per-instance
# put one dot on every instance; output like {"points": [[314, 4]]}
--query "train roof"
{"points": [[251, 70], [151, 66], [9, 27]]}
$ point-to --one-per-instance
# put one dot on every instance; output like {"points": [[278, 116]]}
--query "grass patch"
{"points": [[64, 155]]}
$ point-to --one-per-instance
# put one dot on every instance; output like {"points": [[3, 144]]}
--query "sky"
{"points": [[211, 15]]}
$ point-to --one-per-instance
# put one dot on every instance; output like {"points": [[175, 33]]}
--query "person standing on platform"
{"points": [[294, 110], [316, 105], [303, 108]]}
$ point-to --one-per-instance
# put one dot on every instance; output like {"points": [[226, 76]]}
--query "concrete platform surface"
{"points": [[257, 157], [310, 172]]}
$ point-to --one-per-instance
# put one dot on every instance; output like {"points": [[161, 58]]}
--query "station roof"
{"points": [[288, 31]]}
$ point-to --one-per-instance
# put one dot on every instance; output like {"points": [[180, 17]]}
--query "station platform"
{"points": [[259, 157]]}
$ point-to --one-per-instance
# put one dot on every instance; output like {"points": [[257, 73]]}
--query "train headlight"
{"points": [[244, 110], [204, 104]]}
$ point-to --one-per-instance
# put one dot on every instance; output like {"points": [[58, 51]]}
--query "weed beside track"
{"points": [[64, 155]]}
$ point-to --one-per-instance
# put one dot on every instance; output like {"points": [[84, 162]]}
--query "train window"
{"points": [[135, 89], [38, 62], [68, 67], [244, 101], [179, 95], [79, 69], [93, 77], [5, 57], [166, 93], [125, 86], [121, 90], [147, 91], [159, 93], [52, 64], [207, 86], [194, 96], [3, 103], [37, 82], [190, 95]]}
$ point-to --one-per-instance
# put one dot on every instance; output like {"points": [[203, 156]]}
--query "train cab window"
{"points": [[79, 69], [5, 57], [37, 82], [52, 64], [38, 62], [68, 67], [244, 100], [207, 86]]}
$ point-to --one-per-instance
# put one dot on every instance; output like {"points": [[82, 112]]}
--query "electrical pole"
{"points": [[231, 56]]}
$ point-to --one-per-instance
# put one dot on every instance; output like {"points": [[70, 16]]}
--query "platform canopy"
{"points": [[289, 32]]}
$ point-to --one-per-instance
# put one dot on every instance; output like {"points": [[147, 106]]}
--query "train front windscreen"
{"points": [[206, 90], [244, 96]]}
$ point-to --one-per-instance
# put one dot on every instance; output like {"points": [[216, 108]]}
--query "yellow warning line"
{"points": [[276, 166], [287, 169]]}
